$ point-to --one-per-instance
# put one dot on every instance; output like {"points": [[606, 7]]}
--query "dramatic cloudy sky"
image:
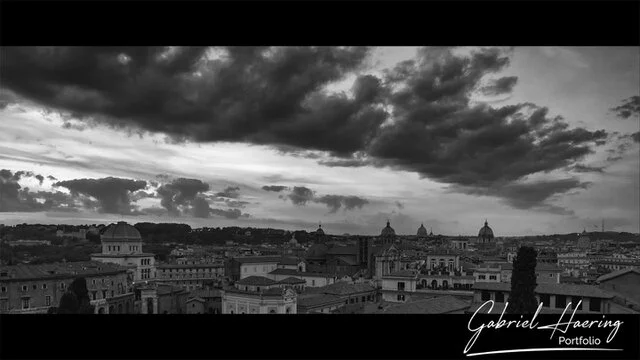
{"points": [[535, 139]]}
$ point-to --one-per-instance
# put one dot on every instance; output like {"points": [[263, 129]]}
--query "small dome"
{"points": [[121, 232], [320, 231], [422, 231], [388, 231], [485, 231]]}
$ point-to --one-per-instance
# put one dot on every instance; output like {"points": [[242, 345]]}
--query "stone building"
{"points": [[259, 295], [122, 245], [36, 288]]}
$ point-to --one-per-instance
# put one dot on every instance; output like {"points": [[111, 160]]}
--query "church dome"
{"points": [[422, 231], [320, 231], [485, 231], [121, 232], [388, 231]]}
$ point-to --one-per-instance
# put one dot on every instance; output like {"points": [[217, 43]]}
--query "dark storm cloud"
{"points": [[52, 178], [500, 86], [276, 97], [533, 195], [180, 192], [186, 93], [40, 178], [274, 188], [629, 107], [15, 198], [300, 195], [229, 214], [113, 194], [581, 168], [201, 208], [230, 192]]}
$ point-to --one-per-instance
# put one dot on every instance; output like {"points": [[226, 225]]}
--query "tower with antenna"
{"points": [[602, 225]]}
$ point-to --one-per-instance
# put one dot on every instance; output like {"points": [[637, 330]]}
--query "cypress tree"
{"points": [[522, 299]]}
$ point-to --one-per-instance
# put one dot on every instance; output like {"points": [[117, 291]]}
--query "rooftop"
{"points": [[345, 288], [615, 274], [292, 281], [552, 289], [256, 281], [57, 270], [437, 305], [314, 300]]}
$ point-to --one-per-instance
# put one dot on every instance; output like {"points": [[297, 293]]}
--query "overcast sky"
{"points": [[536, 140]]}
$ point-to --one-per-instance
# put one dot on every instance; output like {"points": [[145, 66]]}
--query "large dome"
{"points": [[121, 232], [422, 231], [485, 231], [388, 231]]}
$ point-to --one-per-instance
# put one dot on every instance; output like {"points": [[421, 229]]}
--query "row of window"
{"points": [[145, 262], [354, 300], [561, 301], [145, 273], [484, 277], [3, 289]]}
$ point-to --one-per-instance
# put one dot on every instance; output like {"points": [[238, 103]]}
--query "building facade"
{"points": [[36, 288], [122, 245]]}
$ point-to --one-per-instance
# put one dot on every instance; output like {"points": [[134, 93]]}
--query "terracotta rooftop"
{"points": [[315, 300], [292, 281], [58, 270], [292, 272], [552, 289], [438, 305], [256, 281], [615, 274], [345, 288]]}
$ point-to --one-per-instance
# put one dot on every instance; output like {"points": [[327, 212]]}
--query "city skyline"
{"points": [[347, 137]]}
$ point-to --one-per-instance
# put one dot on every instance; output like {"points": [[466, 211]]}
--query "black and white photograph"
{"points": [[213, 183]]}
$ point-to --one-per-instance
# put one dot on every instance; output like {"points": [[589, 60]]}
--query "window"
{"points": [[3, 305], [3, 289], [24, 287], [104, 294], [492, 277], [545, 299], [500, 297], [351, 301], [93, 294], [486, 296], [25, 303], [400, 297], [35, 287], [561, 301], [364, 298], [313, 283], [594, 304], [47, 300], [63, 286], [550, 275], [482, 277], [112, 293], [258, 288], [574, 302], [93, 281], [400, 285]]}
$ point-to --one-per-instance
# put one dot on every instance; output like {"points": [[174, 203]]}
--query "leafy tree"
{"points": [[522, 299], [76, 299]]}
